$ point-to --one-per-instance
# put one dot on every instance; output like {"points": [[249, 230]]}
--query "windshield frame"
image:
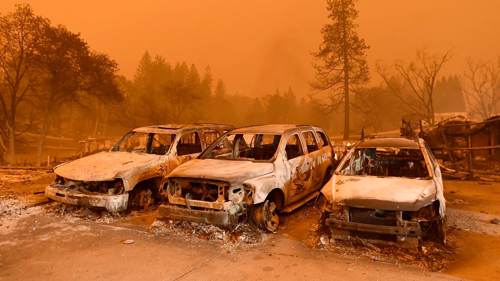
{"points": [[202, 156], [116, 146], [351, 151]]}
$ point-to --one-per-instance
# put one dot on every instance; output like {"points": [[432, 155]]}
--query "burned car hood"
{"points": [[104, 166], [386, 193], [233, 171]]}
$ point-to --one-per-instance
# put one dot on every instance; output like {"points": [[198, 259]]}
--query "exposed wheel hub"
{"points": [[266, 216]]}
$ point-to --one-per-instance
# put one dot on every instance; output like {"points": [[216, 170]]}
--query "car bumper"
{"points": [[215, 217], [112, 203], [408, 229]]}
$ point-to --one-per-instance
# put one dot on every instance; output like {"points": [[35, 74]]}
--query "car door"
{"points": [[298, 169], [313, 156], [188, 147], [326, 161], [161, 144]]}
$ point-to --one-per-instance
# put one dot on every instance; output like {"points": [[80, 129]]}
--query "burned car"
{"points": [[131, 172], [252, 172], [386, 189]]}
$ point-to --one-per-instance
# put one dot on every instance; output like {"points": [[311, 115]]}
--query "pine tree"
{"points": [[220, 90], [341, 57]]}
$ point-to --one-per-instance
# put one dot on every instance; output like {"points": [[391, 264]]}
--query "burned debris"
{"points": [[465, 147]]}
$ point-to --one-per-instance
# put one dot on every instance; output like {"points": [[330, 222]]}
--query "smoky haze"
{"points": [[258, 46]]}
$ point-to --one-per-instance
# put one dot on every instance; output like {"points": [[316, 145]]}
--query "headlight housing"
{"points": [[235, 194], [337, 211], [116, 187], [59, 180]]}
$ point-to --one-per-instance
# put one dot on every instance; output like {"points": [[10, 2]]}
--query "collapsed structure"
{"points": [[462, 143]]}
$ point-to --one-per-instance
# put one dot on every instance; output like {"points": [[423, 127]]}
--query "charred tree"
{"points": [[419, 78], [482, 88], [20, 40], [341, 59]]}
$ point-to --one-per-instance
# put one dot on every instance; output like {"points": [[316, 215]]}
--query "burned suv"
{"points": [[386, 189], [251, 172], [131, 172]]}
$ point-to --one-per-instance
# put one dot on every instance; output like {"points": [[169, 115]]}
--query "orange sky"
{"points": [[258, 46]]}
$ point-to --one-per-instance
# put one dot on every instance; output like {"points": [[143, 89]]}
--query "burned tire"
{"points": [[266, 216], [141, 199]]}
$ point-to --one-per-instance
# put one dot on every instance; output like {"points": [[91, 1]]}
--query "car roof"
{"points": [[177, 128], [388, 142], [271, 128]]}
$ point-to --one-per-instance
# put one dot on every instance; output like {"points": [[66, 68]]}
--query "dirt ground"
{"points": [[40, 240]]}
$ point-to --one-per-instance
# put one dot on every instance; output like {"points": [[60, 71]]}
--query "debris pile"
{"points": [[99, 216], [241, 233], [431, 256], [469, 150]]}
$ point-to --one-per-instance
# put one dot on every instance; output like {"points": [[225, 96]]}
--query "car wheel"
{"points": [[266, 216]]}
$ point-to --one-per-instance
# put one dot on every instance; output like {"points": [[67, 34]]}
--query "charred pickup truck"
{"points": [[252, 172], [386, 189], [131, 172]]}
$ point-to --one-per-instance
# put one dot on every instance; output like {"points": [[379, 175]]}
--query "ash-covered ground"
{"points": [[34, 230]]}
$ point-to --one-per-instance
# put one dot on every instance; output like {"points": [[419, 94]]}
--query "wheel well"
{"points": [[437, 205], [328, 174], [277, 196], [152, 183], [329, 169]]}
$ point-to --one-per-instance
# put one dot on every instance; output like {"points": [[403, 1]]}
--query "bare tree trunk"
{"points": [[346, 103], [104, 132], [3, 149], [41, 140], [346, 76], [11, 155], [431, 108], [97, 118]]}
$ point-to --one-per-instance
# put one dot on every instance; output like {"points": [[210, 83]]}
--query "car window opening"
{"points": [[246, 146], [310, 142], [386, 161], [293, 147], [189, 144], [150, 143], [323, 139]]}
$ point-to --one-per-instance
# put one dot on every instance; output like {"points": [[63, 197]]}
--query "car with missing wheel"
{"points": [[386, 189], [251, 173], [130, 174]]}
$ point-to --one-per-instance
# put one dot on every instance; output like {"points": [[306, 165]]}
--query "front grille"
{"points": [[92, 187], [197, 189], [373, 216]]}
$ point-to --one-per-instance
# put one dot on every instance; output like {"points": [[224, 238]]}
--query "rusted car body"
{"points": [[386, 189], [251, 172], [131, 172]]}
